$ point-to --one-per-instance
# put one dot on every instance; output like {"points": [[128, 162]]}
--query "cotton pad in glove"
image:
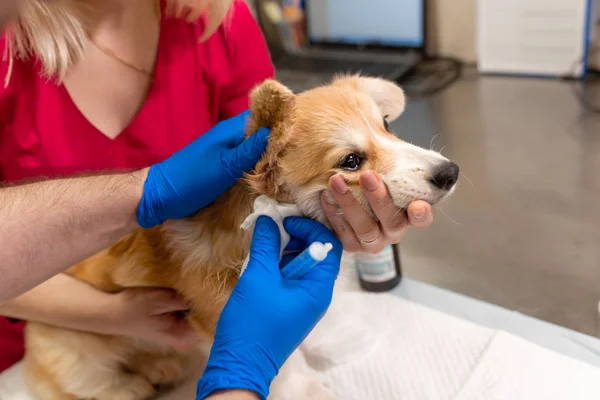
{"points": [[269, 207]]}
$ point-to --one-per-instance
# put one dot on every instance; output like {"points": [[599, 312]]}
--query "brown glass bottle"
{"points": [[380, 272]]}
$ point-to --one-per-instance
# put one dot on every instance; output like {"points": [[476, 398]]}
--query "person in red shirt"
{"points": [[125, 91], [144, 86]]}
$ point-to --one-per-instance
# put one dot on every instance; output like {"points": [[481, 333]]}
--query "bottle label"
{"points": [[376, 268]]}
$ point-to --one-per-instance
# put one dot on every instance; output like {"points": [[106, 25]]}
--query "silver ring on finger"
{"points": [[368, 241]]}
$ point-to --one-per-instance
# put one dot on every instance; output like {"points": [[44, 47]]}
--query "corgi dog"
{"points": [[339, 128]]}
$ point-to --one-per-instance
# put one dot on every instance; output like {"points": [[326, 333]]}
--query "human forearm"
{"points": [[66, 302], [143, 313], [233, 395], [49, 226]]}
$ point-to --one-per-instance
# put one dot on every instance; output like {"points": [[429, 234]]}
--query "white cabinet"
{"points": [[533, 37]]}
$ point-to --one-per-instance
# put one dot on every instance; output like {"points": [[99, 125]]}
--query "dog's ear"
{"points": [[388, 96], [271, 106]]}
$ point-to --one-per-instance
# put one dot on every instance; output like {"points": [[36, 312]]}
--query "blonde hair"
{"points": [[55, 32]]}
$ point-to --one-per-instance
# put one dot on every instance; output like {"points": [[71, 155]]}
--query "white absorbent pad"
{"points": [[265, 206]]}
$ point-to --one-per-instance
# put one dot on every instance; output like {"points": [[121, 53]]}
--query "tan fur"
{"points": [[200, 257]]}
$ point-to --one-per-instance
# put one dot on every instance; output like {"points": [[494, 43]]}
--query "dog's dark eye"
{"points": [[351, 162], [385, 123]]}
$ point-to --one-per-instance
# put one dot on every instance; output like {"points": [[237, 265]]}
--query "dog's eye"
{"points": [[351, 162], [385, 123]]}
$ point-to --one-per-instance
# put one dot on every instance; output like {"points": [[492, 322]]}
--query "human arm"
{"points": [[49, 226], [140, 313], [267, 316], [358, 230]]}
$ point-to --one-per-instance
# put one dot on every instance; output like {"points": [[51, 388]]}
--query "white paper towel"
{"points": [[264, 205]]}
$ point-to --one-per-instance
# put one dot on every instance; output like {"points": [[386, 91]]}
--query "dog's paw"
{"points": [[163, 371]]}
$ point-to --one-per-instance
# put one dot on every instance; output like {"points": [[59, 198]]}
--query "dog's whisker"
{"points": [[396, 211], [468, 180], [432, 140], [450, 219]]}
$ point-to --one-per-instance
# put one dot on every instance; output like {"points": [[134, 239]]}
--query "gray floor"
{"points": [[523, 229]]}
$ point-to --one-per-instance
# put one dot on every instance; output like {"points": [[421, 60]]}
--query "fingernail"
{"points": [[338, 184], [370, 181], [420, 213], [328, 197]]}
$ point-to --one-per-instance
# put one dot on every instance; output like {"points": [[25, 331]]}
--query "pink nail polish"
{"points": [[420, 213], [338, 184], [370, 181]]}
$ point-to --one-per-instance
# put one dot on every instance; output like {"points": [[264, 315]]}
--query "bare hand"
{"points": [[152, 314], [359, 231]]}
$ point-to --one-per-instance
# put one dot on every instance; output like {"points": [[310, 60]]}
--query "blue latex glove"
{"points": [[267, 317], [198, 174]]}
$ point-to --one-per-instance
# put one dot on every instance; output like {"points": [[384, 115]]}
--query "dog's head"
{"points": [[341, 128]]}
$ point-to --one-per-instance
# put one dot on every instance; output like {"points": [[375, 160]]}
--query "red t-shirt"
{"points": [[197, 84]]}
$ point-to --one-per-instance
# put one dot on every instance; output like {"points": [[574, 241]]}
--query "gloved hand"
{"points": [[267, 317], [198, 174]]}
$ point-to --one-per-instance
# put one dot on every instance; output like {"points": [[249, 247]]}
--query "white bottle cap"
{"points": [[318, 251]]}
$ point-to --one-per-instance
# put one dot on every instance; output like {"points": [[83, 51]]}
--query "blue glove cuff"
{"points": [[210, 384], [151, 210], [234, 367]]}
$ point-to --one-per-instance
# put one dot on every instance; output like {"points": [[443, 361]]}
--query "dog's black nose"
{"points": [[445, 175]]}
